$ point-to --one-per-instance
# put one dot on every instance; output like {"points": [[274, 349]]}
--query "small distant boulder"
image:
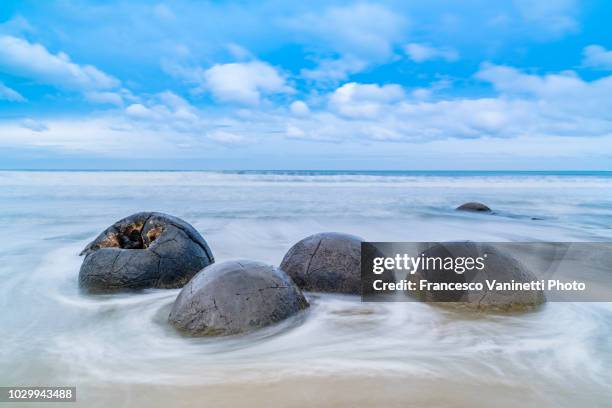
{"points": [[144, 250], [474, 206], [498, 266], [235, 297], [327, 262]]}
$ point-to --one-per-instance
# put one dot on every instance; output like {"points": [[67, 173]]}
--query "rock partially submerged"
{"points": [[235, 297], [144, 250], [498, 266], [327, 262], [474, 207]]}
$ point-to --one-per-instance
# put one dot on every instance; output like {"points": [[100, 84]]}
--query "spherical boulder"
{"points": [[474, 207], [235, 297], [465, 263], [144, 250], [327, 262]]}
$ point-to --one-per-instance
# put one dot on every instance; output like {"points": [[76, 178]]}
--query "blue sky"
{"points": [[320, 85]]}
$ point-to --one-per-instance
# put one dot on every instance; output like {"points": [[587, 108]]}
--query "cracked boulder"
{"points": [[499, 267], [327, 262], [235, 297], [144, 250]]}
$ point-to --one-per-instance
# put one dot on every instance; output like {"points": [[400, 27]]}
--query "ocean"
{"points": [[118, 350]]}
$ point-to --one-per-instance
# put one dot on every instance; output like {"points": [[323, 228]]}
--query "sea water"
{"points": [[118, 350]]}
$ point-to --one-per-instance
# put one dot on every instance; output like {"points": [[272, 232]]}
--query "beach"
{"points": [[119, 350]]}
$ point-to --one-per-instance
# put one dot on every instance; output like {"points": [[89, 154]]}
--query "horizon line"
{"points": [[299, 170]]}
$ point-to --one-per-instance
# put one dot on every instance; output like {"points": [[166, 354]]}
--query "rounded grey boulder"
{"points": [[497, 266], [235, 297], [327, 262], [474, 206], [144, 250]]}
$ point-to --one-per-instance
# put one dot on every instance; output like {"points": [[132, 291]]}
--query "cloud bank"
{"points": [[341, 80]]}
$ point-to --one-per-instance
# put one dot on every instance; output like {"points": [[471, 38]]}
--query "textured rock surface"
{"points": [[326, 262], [474, 206], [144, 250], [235, 297], [498, 266]]}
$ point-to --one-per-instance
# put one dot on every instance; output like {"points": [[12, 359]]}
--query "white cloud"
{"points": [[112, 135], [166, 109], [294, 132], [421, 93], [34, 125], [554, 17], [415, 121], [526, 110], [482, 130], [111, 98], [560, 91], [528, 106], [364, 100], [245, 82], [538, 107], [428, 92], [29, 60], [299, 108], [150, 131], [334, 70], [596, 56], [423, 52], [17, 25], [225, 137], [239, 53], [362, 29], [175, 102], [9, 94], [360, 35], [139, 111], [193, 75]]}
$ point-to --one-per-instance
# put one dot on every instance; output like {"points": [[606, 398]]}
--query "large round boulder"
{"points": [[144, 250], [327, 262], [235, 297], [474, 206], [475, 263]]}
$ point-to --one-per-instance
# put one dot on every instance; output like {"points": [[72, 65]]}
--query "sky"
{"points": [[394, 85]]}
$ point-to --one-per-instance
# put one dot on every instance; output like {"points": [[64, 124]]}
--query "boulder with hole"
{"points": [[144, 250]]}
